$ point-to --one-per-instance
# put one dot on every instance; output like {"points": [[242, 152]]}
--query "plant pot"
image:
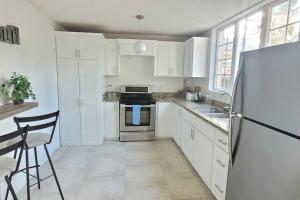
{"points": [[18, 102]]}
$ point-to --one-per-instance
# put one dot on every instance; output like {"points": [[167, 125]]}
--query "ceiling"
{"points": [[164, 17]]}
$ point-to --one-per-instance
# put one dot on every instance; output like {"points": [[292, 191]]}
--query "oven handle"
{"points": [[142, 106]]}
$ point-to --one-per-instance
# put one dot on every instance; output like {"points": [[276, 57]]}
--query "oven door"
{"points": [[147, 117]]}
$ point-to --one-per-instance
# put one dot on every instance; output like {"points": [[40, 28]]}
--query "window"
{"points": [[284, 23], [272, 24], [224, 69], [249, 35]]}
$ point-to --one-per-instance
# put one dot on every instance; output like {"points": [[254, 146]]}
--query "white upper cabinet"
{"points": [[163, 61], [66, 46], [195, 58], [111, 57], [170, 59], [84, 46], [91, 47], [177, 58], [127, 47]]}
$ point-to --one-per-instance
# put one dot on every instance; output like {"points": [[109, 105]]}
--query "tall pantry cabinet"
{"points": [[80, 67]]}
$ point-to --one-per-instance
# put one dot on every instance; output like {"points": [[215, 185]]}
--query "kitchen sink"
{"points": [[217, 115], [209, 110]]}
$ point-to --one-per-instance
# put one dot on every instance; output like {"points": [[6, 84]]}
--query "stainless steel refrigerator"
{"points": [[265, 126]]}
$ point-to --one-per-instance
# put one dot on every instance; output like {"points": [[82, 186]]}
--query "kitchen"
{"points": [[152, 105]]}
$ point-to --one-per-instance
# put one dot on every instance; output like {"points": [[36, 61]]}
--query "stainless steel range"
{"points": [[141, 97]]}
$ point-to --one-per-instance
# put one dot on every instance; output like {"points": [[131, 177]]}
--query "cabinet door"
{"points": [[165, 116], [66, 46], [111, 57], [187, 141], [91, 47], [177, 124], [111, 122], [163, 60], [219, 173], [202, 156], [90, 102], [188, 58], [68, 88], [176, 52]]}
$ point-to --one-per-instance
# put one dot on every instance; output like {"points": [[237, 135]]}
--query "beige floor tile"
{"points": [[144, 175], [102, 188], [122, 171], [102, 166], [188, 189], [158, 192]]}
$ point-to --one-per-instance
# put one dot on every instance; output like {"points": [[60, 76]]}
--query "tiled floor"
{"points": [[123, 171]]}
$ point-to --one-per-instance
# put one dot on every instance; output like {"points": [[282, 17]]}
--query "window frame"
{"points": [[269, 29], [266, 9], [216, 60]]}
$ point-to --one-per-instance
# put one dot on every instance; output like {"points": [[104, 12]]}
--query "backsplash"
{"points": [[138, 70]]}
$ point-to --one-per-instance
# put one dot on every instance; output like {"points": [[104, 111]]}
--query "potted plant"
{"points": [[17, 89]]}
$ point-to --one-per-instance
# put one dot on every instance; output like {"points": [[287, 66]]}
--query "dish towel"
{"points": [[136, 114]]}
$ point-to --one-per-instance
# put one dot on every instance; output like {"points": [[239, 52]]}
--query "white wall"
{"points": [[35, 57], [139, 70]]}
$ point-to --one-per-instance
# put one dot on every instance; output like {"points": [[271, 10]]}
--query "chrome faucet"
{"points": [[226, 108]]}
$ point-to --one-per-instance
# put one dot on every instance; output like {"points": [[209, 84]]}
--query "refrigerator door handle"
{"points": [[235, 85], [232, 114], [231, 117]]}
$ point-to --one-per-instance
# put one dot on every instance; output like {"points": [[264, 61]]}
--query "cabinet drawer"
{"points": [[220, 171], [201, 125], [221, 139]]}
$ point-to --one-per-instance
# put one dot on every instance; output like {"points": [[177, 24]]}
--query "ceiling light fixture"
{"points": [[140, 46]]}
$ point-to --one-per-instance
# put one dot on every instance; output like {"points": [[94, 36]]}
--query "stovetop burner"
{"points": [[139, 99], [140, 95]]}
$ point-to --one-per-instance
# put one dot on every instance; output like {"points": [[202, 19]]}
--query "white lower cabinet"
{"points": [[205, 146], [202, 156], [111, 120], [164, 119], [187, 140], [219, 173], [198, 149], [177, 125]]}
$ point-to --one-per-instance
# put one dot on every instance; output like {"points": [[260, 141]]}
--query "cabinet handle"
{"points": [[172, 70], [79, 53], [220, 163], [222, 141], [169, 71], [192, 134], [219, 188]]}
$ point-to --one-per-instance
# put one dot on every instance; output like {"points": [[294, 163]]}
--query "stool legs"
{"points": [[27, 174], [17, 168], [53, 171], [9, 186], [37, 168]]}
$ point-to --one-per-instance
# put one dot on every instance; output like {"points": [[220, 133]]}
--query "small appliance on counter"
{"points": [[137, 113], [194, 95]]}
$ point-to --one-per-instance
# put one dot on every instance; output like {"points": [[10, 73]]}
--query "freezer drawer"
{"points": [[220, 171]]}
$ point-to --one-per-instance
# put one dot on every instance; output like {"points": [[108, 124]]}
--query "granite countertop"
{"points": [[221, 123], [111, 99]]}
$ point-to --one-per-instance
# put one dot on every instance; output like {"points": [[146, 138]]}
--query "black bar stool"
{"points": [[10, 166], [35, 139]]}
